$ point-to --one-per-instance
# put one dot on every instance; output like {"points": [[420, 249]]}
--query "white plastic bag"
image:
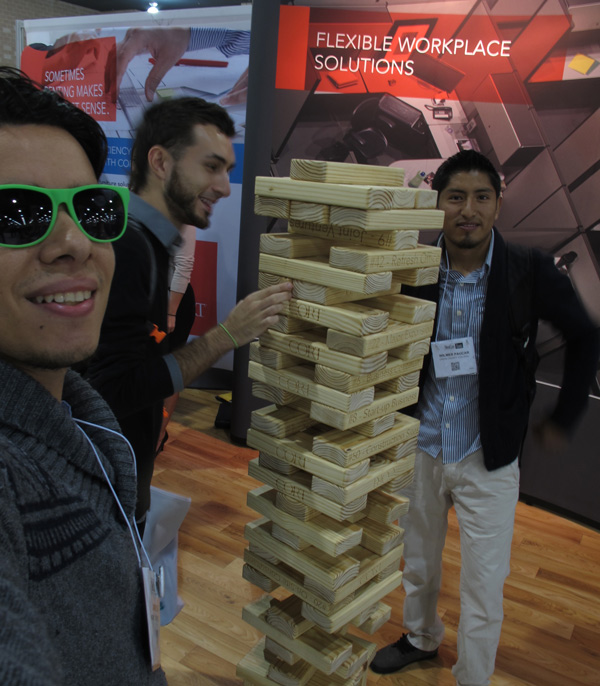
{"points": [[167, 512]]}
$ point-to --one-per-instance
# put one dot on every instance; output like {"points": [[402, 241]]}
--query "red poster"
{"points": [[83, 71], [416, 55], [204, 283]]}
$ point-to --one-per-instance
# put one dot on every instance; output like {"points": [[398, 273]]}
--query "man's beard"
{"points": [[77, 359], [468, 242], [181, 203]]}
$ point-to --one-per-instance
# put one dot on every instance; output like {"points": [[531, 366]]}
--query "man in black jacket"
{"points": [[181, 159], [474, 409]]}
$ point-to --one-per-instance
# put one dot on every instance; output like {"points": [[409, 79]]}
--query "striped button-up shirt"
{"points": [[448, 408]]}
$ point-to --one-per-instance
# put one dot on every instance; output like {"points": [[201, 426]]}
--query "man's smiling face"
{"points": [[471, 207], [199, 176], [53, 294]]}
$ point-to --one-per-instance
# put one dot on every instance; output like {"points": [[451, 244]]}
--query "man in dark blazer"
{"points": [[476, 391]]}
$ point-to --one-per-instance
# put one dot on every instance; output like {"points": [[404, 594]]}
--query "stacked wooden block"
{"points": [[333, 449]]}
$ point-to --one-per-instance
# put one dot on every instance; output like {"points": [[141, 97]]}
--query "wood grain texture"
{"points": [[319, 272], [371, 260], [366, 197], [296, 450], [550, 632], [293, 245], [342, 172], [385, 240], [343, 381], [385, 219], [314, 212], [395, 335], [354, 318], [298, 380], [313, 348], [325, 533], [272, 207]]}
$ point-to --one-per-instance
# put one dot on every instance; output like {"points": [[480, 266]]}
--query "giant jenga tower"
{"points": [[333, 449]]}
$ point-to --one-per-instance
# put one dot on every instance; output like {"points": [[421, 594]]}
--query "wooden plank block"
{"points": [[385, 507], [343, 172], [386, 240], [287, 324], [348, 383], [401, 450], [381, 615], [313, 212], [401, 383], [272, 462], [398, 484], [296, 451], [312, 347], [265, 280], [376, 426], [368, 260], [322, 650], [298, 674], [278, 396], [423, 276], [404, 308], [331, 572], [324, 533], [383, 404], [295, 508], [272, 207], [276, 650], [317, 271], [297, 486], [325, 600], [347, 447], [380, 473], [298, 380], [324, 295], [362, 653], [286, 616], [372, 566], [258, 579], [293, 245], [426, 199], [372, 594], [290, 579], [354, 318], [271, 358], [371, 197], [265, 555], [380, 538], [362, 617], [254, 668], [411, 351], [386, 219], [280, 421], [293, 540], [395, 335]]}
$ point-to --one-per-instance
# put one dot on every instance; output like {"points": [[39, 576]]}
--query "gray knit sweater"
{"points": [[71, 611]]}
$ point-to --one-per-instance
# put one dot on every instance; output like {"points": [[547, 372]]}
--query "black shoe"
{"points": [[394, 657]]}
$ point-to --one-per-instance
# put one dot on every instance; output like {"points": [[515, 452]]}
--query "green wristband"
{"points": [[230, 336]]}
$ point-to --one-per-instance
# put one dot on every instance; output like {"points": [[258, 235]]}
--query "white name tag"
{"points": [[454, 358], [152, 598]]}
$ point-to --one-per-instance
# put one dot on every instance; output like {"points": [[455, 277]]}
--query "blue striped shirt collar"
{"points": [[486, 266]]}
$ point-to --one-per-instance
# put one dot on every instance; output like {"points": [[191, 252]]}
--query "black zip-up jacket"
{"points": [[504, 391]]}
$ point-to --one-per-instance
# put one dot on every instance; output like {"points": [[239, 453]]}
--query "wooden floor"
{"points": [[551, 631]]}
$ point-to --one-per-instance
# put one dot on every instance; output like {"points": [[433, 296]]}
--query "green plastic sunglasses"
{"points": [[28, 213]]}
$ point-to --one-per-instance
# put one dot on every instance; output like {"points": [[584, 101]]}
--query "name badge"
{"points": [[454, 358], [152, 598]]}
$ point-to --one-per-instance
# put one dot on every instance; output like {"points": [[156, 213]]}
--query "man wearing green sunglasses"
{"points": [[71, 595]]}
